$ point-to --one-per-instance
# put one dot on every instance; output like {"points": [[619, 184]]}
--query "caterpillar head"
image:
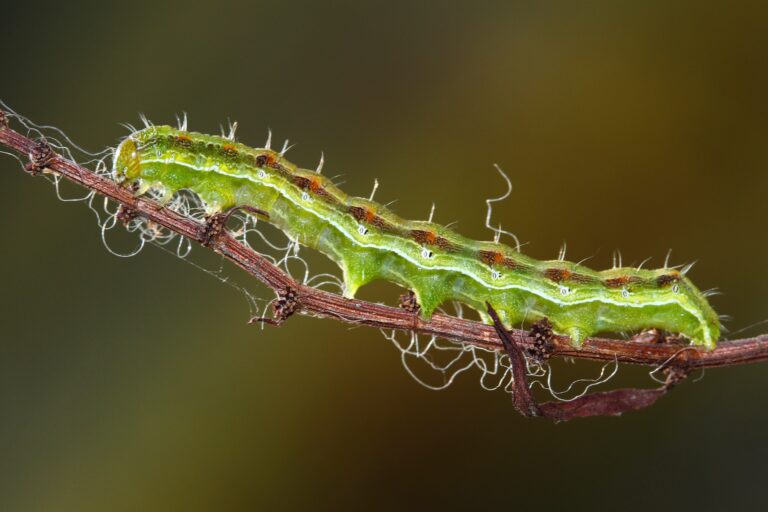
{"points": [[126, 163]]}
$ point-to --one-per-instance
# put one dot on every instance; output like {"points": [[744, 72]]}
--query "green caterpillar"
{"points": [[370, 242]]}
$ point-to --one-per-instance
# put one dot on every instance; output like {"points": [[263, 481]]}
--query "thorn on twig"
{"points": [[286, 304], [3, 120], [409, 303], [125, 214], [39, 158], [212, 228], [675, 374], [607, 403], [216, 224], [543, 347]]}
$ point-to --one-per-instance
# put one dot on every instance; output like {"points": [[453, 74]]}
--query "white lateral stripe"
{"points": [[471, 275]]}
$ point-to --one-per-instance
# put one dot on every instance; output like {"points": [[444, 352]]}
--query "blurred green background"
{"points": [[138, 385]]}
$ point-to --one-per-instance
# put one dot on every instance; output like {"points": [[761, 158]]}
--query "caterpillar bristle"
{"points": [[182, 123]]}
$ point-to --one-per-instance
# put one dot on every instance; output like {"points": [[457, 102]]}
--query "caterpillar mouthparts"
{"points": [[369, 242]]}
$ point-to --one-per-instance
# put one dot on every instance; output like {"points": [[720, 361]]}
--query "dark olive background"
{"points": [[137, 384]]}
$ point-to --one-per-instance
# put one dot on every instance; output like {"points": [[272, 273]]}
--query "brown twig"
{"points": [[325, 304], [605, 403]]}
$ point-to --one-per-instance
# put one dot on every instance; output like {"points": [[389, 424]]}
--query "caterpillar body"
{"points": [[369, 242]]}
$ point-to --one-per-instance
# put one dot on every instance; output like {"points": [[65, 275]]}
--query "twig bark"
{"points": [[320, 303]]}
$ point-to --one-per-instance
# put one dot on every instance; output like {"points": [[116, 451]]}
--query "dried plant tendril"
{"points": [[369, 242]]}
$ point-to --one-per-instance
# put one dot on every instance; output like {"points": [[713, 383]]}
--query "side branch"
{"points": [[325, 304]]}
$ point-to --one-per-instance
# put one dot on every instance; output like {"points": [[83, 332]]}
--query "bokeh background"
{"points": [[138, 385]]}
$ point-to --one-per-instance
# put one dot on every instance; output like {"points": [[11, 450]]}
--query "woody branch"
{"points": [[321, 303]]}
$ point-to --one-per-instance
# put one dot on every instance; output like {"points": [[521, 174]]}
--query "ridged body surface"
{"points": [[370, 242]]}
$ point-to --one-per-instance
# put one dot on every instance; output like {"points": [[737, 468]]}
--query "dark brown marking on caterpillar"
{"points": [[368, 216], [430, 238], [667, 279], [491, 258], [621, 281], [383, 225], [557, 275], [184, 141], [315, 186], [494, 258], [301, 182], [512, 264], [265, 160], [423, 237], [445, 244], [582, 278], [361, 214], [229, 151]]}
